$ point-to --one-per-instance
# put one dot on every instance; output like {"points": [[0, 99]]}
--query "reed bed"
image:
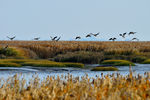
{"points": [[68, 87], [106, 50]]}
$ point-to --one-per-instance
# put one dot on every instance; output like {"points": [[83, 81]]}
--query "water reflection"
{"points": [[28, 71]]}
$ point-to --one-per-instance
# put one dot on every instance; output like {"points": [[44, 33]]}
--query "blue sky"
{"points": [[27, 19]]}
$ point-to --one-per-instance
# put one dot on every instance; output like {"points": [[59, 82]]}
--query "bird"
{"points": [[11, 38], [135, 39], [113, 39], [58, 38], [53, 38], [132, 33], [88, 35], [78, 37], [123, 35], [37, 38], [96, 34]]}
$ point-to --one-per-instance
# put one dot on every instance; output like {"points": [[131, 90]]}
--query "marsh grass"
{"points": [[36, 63], [104, 69], [2, 64], [76, 65], [118, 63], [93, 51], [68, 87]]}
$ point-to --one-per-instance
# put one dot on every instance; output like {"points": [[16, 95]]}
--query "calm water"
{"points": [[28, 71]]}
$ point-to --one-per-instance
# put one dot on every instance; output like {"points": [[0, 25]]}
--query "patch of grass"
{"points": [[77, 65], [43, 64], [104, 69], [37, 63], [118, 63], [19, 61], [2, 64], [146, 61]]}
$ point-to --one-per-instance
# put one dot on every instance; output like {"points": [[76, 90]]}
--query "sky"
{"points": [[27, 19]]}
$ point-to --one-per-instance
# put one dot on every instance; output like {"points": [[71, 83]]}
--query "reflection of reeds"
{"points": [[106, 87]]}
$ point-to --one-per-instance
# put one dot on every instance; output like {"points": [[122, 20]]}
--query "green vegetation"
{"points": [[80, 56], [139, 59], [77, 65], [8, 52], [117, 63], [104, 69], [146, 61], [36, 63], [9, 65]]}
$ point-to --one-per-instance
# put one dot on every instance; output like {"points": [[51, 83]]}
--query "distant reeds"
{"points": [[60, 51]]}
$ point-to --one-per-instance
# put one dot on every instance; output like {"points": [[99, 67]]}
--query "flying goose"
{"points": [[37, 38], [78, 37], [135, 39], [132, 33], [96, 34], [123, 35], [53, 38], [88, 35], [58, 38], [113, 39], [11, 38]]}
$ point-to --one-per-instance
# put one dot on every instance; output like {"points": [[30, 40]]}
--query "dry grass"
{"points": [[50, 49], [108, 87]]}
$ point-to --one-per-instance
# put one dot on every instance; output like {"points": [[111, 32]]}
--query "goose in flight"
{"points": [[123, 35], [53, 38], [113, 39], [88, 35], [96, 34], [37, 38], [135, 39], [78, 37], [11, 38], [58, 38], [132, 33]]}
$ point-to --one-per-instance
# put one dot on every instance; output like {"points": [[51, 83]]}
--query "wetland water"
{"points": [[43, 72]]}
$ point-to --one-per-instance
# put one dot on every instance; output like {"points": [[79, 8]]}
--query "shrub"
{"points": [[8, 52], [104, 69], [118, 62], [80, 56], [139, 59]]}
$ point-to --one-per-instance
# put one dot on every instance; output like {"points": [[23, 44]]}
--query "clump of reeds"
{"points": [[104, 69], [80, 56], [68, 87], [117, 63]]}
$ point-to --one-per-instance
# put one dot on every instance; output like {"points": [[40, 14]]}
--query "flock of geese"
{"points": [[56, 38]]}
